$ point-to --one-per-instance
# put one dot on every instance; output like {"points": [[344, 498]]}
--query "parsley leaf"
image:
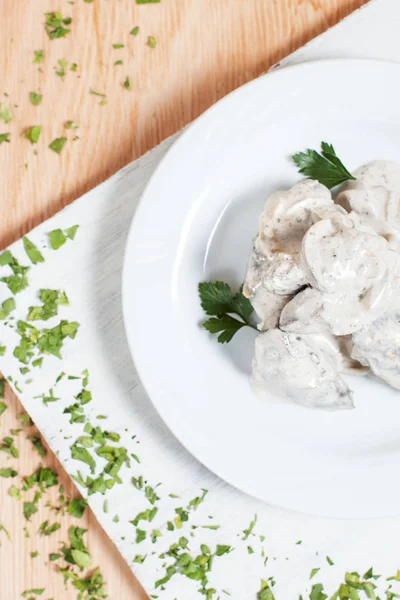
{"points": [[71, 231], [3, 405], [34, 591], [29, 509], [32, 251], [39, 56], [71, 125], [8, 473], [134, 31], [6, 307], [314, 572], [4, 137], [247, 532], [217, 299], [57, 238], [77, 554], [55, 23], [7, 446], [317, 592], [151, 41], [46, 529], [58, 144], [77, 507], [326, 167], [118, 46], [33, 134], [5, 114], [35, 98], [148, 1], [127, 84], [82, 454]]}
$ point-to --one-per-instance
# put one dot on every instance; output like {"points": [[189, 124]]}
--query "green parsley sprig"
{"points": [[218, 301], [326, 167]]}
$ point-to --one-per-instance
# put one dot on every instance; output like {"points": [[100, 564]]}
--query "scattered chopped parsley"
{"points": [[330, 561], [33, 134], [29, 509], [127, 84], [7, 446], [54, 556], [265, 592], [58, 144], [38, 56], [218, 301], [4, 137], [2, 528], [134, 31], [118, 62], [34, 591], [247, 532], [5, 114], [51, 299], [118, 46], [35, 98], [46, 529], [6, 308], [62, 66], [103, 102], [92, 585], [8, 473], [77, 553], [25, 420], [151, 41], [314, 572], [148, 1], [37, 444], [71, 125], [77, 507], [3, 406], [55, 25], [44, 341], [34, 554], [33, 253], [326, 167]]}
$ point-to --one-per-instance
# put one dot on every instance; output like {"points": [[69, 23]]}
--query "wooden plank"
{"points": [[204, 50]]}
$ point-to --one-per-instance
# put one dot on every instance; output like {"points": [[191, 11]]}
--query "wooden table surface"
{"points": [[204, 49]]}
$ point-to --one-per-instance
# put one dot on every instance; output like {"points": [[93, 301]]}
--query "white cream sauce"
{"points": [[324, 279]]}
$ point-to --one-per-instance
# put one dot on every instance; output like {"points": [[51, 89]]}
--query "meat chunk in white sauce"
{"points": [[324, 279], [297, 368], [276, 267], [378, 347]]}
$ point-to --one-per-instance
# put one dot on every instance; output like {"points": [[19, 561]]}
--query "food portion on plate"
{"points": [[323, 279]]}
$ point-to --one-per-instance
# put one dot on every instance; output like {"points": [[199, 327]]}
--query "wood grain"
{"points": [[205, 49]]}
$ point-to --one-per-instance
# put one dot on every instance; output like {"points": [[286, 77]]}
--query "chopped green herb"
{"points": [[150, 494], [34, 554], [35, 98], [151, 41], [4, 137], [118, 46], [25, 420], [247, 532], [221, 550], [139, 559], [32, 251], [314, 572], [326, 167], [5, 114], [250, 550], [84, 456], [105, 506], [2, 353], [29, 509], [15, 493], [134, 31], [6, 308], [118, 62], [148, 1], [73, 67], [77, 507], [317, 592], [58, 144], [37, 444], [53, 556], [33, 134], [195, 503], [77, 554], [46, 529], [7, 446], [92, 585], [127, 84], [8, 473], [38, 56], [71, 125], [330, 561], [140, 535], [2, 528], [34, 591], [51, 299], [54, 25], [71, 231], [57, 238], [3, 406]]}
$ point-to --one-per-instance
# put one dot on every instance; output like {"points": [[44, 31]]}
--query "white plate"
{"points": [[195, 222]]}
